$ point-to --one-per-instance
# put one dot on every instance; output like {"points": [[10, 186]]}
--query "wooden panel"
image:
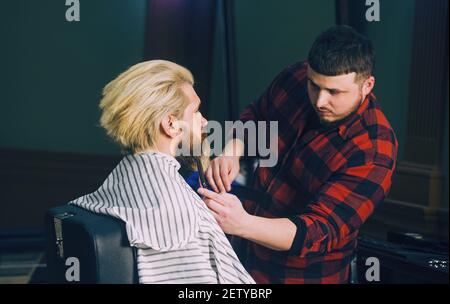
{"points": [[416, 195], [33, 181], [400, 216], [418, 184], [395, 215], [428, 83]]}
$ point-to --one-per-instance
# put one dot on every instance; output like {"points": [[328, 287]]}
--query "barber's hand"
{"points": [[227, 210], [221, 172]]}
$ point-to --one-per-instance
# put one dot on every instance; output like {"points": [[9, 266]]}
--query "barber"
{"points": [[336, 156]]}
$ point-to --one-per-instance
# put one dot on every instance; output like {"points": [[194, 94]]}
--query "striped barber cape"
{"points": [[178, 240]]}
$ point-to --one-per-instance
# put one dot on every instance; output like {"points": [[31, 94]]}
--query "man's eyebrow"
{"points": [[328, 89]]}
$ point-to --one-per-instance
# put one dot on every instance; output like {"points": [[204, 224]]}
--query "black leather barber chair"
{"points": [[84, 247]]}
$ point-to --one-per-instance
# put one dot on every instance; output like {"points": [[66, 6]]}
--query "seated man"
{"points": [[149, 110]]}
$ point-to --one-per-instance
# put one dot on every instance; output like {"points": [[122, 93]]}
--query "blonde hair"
{"points": [[134, 104]]}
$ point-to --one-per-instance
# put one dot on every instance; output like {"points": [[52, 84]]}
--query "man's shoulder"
{"points": [[296, 70], [297, 66], [374, 117], [291, 79], [374, 135]]}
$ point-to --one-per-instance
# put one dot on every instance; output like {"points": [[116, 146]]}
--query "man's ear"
{"points": [[170, 127], [368, 85]]}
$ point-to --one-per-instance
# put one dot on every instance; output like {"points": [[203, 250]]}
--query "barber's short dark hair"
{"points": [[342, 50]]}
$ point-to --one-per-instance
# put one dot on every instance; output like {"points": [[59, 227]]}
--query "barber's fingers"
{"points": [[215, 206], [214, 213], [216, 216], [208, 194], [224, 198], [230, 169], [225, 175], [233, 173], [221, 173], [217, 176], [210, 179]]}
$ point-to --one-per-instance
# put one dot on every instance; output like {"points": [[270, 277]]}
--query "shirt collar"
{"points": [[169, 159]]}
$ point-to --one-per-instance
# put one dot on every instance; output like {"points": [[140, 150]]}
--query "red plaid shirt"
{"points": [[328, 181]]}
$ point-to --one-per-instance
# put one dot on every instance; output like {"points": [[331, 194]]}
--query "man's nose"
{"points": [[204, 122], [321, 100]]}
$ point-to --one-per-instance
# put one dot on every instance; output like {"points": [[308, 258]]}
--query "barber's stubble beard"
{"points": [[332, 124]]}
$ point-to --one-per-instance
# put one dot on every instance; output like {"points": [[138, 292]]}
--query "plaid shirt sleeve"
{"points": [[344, 202]]}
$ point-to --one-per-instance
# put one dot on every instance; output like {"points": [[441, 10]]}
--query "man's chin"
{"points": [[329, 123], [332, 123]]}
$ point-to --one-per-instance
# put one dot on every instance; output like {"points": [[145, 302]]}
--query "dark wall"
{"points": [[269, 35], [53, 71]]}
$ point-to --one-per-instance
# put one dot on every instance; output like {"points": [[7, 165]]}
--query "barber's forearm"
{"points": [[276, 234]]}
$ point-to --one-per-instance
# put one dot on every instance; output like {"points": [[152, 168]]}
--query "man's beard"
{"points": [[333, 124], [198, 150]]}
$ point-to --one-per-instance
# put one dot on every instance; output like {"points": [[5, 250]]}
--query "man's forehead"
{"points": [[339, 80], [191, 94], [312, 73]]}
